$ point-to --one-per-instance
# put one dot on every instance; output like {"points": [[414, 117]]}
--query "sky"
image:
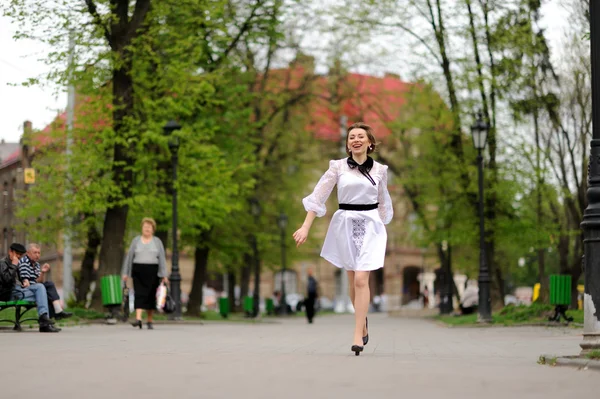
{"points": [[19, 60]]}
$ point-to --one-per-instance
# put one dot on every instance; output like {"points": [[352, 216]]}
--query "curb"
{"points": [[580, 363]]}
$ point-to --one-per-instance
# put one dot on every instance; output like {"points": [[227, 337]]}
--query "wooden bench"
{"points": [[21, 307]]}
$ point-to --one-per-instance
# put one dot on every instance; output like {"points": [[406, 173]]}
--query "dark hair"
{"points": [[370, 136]]}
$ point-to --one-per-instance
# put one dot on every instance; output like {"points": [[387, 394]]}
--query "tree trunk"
{"points": [[87, 263], [115, 221], [200, 264], [119, 33], [245, 278], [231, 291]]}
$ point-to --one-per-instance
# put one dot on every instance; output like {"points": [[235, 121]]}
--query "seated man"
{"points": [[30, 272], [35, 292], [470, 298]]}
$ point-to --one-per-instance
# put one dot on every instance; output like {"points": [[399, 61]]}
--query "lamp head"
{"points": [[479, 131], [282, 221]]}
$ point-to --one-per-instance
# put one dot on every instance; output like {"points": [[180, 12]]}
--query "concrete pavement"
{"points": [[291, 359]]}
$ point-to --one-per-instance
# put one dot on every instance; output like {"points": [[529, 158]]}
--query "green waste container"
{"points": [[224, 307], [248, 302], [270, 306], [560, 289], [110, 286], [560, 296]]}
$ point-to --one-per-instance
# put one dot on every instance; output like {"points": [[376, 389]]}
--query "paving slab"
{"points": [[405, 357]]}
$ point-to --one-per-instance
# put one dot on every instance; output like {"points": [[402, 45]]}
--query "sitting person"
{"points": [[9, 267], [30, 272], [9, 282], [470, 298]]}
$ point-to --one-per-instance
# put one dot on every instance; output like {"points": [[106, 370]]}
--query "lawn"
{"points": [[516, 315]]}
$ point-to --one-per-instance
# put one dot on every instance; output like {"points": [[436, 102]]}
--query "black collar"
{"points": [[363, 168]]}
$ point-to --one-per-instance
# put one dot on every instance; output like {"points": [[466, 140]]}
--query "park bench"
{"points": [[21, 307]]}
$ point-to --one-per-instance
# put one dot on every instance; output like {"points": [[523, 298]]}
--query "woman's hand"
{"points": [[125, 277], [301, 235], [165, 280]]}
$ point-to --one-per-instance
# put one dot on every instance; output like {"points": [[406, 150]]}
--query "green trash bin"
{"points": [[560, 289], [112, 293], [248, 302], [224, 307], [270, 306], [560, 296]]}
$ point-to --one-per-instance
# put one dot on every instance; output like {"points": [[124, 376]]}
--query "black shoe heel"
{"points": [[366, 337], [357, 349], [150, 326], [138, 323]]}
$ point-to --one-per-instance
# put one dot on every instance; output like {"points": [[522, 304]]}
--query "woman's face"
{"points": [[358, 141], [147, 229]]}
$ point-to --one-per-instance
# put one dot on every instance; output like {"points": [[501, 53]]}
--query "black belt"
{"points": [[358, 207]]}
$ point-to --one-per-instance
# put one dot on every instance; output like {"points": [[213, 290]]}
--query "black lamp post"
{"points": [[175, 277], [446, 281], [282, 222], [479, 131], [255, 209], [591, 215]]}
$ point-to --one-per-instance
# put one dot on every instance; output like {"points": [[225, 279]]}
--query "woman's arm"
{"points": [[385, 209], [315, 202], [126, 269], [162, 259]]}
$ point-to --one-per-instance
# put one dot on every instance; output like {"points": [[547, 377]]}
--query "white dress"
{"points": [[355, 240]]}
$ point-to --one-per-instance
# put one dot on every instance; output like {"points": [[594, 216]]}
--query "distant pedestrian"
{"points": [[356, 238], [425, 297], [312, 295], [147, 265]]}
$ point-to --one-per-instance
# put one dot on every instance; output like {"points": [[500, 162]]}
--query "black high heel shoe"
{"points": [[357, 349], [150, 326], [138, 323], [366, 337]]}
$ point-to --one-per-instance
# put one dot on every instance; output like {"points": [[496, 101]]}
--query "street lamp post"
{"points": [[446, 282], [282, 222], [479, 131], [591, 215], [175, 278], [255, 209]]}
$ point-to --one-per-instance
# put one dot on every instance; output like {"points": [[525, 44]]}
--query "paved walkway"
{"points": [[406, 358]]}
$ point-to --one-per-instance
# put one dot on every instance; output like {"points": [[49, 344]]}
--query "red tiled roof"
{"points": [[11, 158]]}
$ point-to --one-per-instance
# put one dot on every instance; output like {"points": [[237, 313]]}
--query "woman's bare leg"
{"points": [[138, 314], [352, 294], [351, 284], [361, 305], [150, 313]]}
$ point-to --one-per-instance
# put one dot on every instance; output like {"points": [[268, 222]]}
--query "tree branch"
{"points": [[93, 10], [241, 32], [139, 15]]}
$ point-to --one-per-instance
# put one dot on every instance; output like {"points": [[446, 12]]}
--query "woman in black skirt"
{"points": [[146, 264]]}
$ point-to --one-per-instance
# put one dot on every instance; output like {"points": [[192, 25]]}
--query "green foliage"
{"points": [[512, 315]]}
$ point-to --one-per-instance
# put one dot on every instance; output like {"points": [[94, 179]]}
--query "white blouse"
{"points": [[353, 188]]}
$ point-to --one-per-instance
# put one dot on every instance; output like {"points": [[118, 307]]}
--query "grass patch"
{"points": [[595, 354], [544, 360], [514, 315]]}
